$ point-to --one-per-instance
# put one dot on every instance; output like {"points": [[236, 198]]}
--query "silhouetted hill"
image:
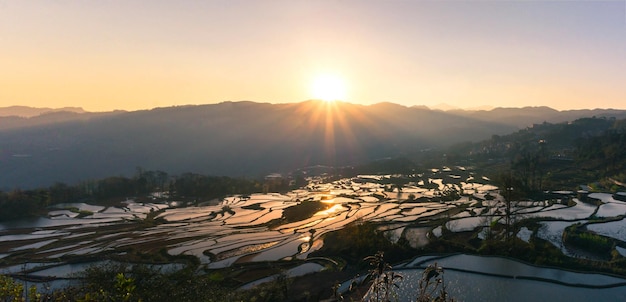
{"points": [[231, 138], [25, 111], [444, 107], [50, 117], [527, 116]]}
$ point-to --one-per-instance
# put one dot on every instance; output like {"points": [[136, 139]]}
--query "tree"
{"points": [[509, 186]]}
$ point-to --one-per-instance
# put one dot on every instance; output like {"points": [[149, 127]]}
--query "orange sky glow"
{"points": [[135, 55]]}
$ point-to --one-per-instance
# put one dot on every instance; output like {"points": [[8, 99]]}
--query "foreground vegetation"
{"points": [[141, 283]]}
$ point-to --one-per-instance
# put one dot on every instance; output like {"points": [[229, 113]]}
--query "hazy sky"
{"points": [[103, 55]]}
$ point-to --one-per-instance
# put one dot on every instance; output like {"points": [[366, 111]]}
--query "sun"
{"points": [[328, 88]]}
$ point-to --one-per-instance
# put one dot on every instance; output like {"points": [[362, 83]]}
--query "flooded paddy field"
{"points": [[244, 229], [481, 278]]}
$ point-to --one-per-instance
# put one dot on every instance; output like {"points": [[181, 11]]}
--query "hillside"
{"points": [[25, 111], [230, 138], [527, 116], [16, 117], [555, 155]]}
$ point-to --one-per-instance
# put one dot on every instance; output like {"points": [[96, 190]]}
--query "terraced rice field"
{"points": [[249, 228]]}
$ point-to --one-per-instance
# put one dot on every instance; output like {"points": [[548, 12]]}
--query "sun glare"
{"points": [[328, 88]]}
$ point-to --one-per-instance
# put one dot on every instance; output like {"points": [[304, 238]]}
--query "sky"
{"points": [[136, 54]]}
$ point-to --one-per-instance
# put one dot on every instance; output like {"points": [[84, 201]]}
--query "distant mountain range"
{"points": [[448, 107], [527, 116], [25, 111], [23, 117], [240, 138]]}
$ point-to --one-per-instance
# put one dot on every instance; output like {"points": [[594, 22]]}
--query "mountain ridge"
{"points": [[238, 138], [27, 111]]}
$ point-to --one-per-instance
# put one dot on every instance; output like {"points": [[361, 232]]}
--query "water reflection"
{"points": [[478, 278], [251, 228]]}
